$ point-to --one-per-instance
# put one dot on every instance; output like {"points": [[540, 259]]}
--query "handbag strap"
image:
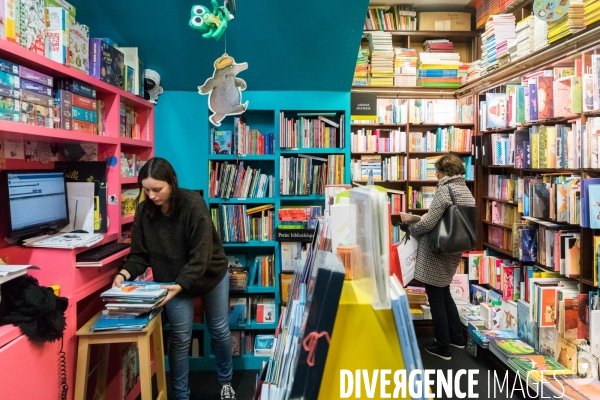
{"points": [[451, 195]]}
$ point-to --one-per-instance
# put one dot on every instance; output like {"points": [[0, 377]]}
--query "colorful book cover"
{"points": [[533, 111], [540, 201], [546, 304], [237, 311], [542, 146], [536, 363], [562, 97], [129, 201], [534, 138], [484, 336], [480, 295], [528, 247], [222, 142], [507, 283], [509, 317], [594, 205], [496, 110], [520, 105], [494, 296], [459, 288], [545, 105], [588, 92], [567, 350], [526, 328], [511, 347], [475, 264]]}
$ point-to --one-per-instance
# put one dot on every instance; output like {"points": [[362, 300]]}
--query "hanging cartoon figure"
{"points": [[213, 24], [224, 89]]}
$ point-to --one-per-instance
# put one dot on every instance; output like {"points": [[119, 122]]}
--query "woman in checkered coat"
{"points": [[435, 270]]}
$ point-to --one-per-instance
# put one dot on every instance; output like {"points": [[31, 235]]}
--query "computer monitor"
{"points": [[36, 202]]}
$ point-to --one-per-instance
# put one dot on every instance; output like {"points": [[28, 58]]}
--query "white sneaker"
{"points": [[227, 392]]}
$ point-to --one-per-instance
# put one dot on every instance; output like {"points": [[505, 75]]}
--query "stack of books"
{"points": [[540, 34], [405, 67], [499, 30], [439, 69], [382, 58], [361, 70], [570, 23], [525, 35], [130, 307], [438, 46], [473, 72], [591, 11]]}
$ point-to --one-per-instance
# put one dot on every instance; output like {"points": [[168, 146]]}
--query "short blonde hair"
{"points": [[450, 165]]}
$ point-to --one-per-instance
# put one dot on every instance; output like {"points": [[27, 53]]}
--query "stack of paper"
{"points": [[405, 67], [131, 306], [570, 23], [8, 272], [382, 58], [473, 72], [64, 240]]}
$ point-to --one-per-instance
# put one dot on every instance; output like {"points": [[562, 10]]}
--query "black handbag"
{"points": [[456, 231]]}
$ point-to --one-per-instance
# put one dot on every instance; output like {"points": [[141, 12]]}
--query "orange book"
{"points": [[547, 304]]}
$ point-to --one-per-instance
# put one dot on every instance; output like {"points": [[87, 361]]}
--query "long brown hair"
{"points": [[160, 169]]}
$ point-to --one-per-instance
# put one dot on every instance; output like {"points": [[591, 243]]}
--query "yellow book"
{"points": [[438, 66], [535, 161]]}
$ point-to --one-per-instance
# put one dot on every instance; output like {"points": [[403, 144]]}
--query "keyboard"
{"points": [[101, 252]]}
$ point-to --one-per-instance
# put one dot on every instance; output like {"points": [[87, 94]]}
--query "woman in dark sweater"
{"points": [[173, 233], [436, 271]]}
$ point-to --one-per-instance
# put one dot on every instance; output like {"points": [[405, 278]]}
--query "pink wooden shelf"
{"points": [[8, 333], [126, 220], [17, 130], [135, 142], [108, 259], [19, 55], [125, 181]]}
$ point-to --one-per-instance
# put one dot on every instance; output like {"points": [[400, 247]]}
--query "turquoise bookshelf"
{"points": [[263, 114]]}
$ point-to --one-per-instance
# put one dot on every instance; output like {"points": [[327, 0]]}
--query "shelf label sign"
{"points": [[295, 235], [364, 104]]}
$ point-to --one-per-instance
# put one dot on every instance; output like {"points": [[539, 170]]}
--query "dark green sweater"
{"points": [[185, 249]]}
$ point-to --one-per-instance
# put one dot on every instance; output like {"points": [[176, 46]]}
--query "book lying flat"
{"points": [[125, 323], [409, 218], [136, 290]]}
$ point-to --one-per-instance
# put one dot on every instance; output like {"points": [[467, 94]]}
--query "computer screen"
{"points": [[37, 201]]}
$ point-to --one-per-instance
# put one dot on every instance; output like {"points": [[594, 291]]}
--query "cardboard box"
{"points": [[444, 21]]}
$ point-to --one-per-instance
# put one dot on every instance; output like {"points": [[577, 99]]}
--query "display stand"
{"points": [[363, 338]]}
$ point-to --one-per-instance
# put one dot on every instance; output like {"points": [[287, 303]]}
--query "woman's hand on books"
{"points": [[173, 290], [120, 278]]}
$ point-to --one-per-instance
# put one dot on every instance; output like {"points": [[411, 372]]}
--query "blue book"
{"points": [[494, 296], [222, 142], [585, 198], [438, 73], [593, 200], [237, 311], [528, 245], [106, 322]]}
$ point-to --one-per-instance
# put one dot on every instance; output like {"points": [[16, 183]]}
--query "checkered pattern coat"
{"points": [[431, 268]]}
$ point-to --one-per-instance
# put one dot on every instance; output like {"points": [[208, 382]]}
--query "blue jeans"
{"points": [[180, 312]]}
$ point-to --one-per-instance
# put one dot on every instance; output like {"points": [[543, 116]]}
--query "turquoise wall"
{"points": [[182, 126]]}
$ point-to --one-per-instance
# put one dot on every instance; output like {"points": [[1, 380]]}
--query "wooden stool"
{"points": [[104, 338]]}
